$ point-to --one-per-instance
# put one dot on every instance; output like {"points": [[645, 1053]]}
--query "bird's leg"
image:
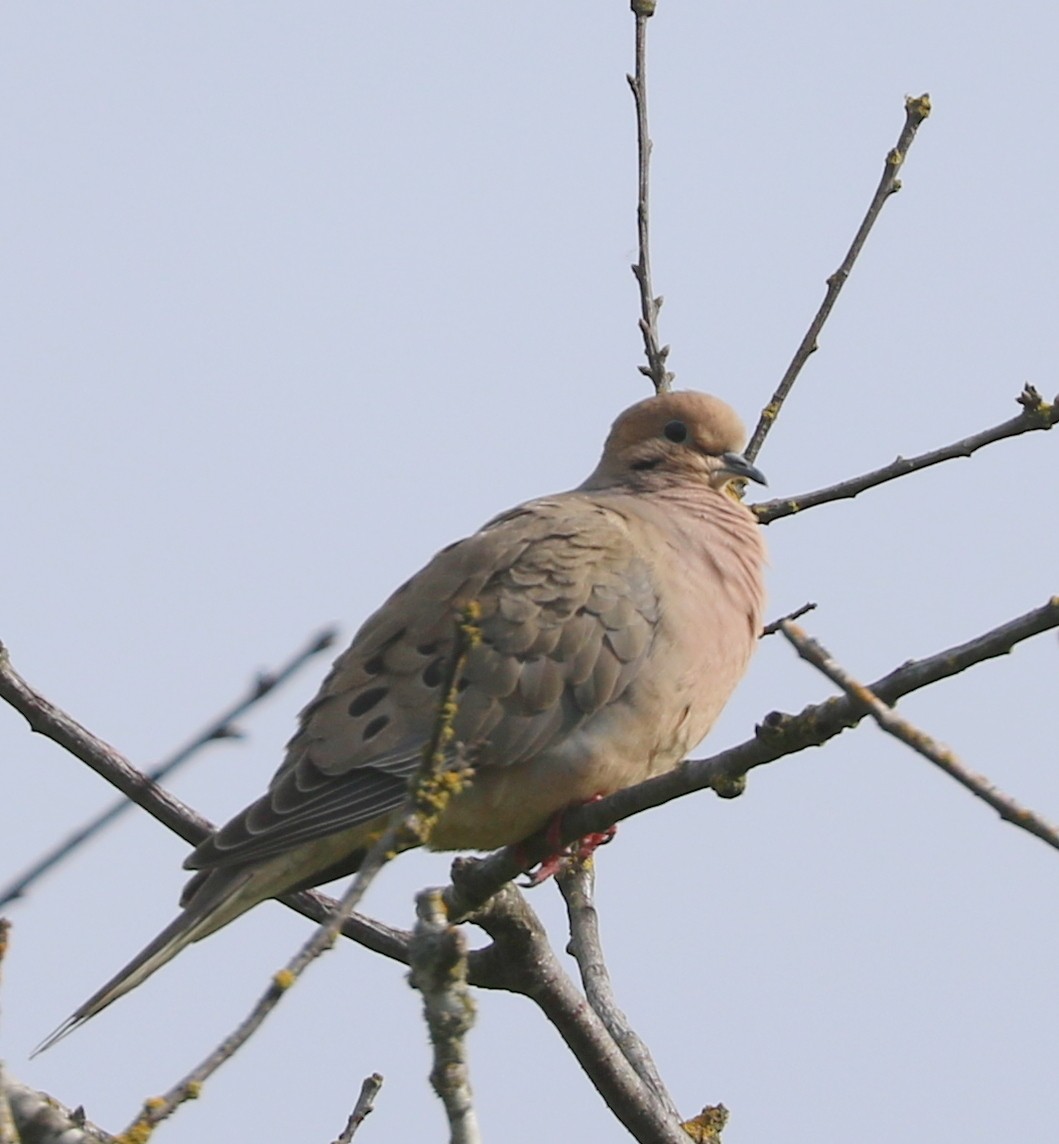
{"points": [[590, 843], [581, 849]]}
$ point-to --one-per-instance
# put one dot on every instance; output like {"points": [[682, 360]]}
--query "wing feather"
{"points": [[568, 614]]}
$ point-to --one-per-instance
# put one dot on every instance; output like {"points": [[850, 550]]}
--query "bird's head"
{"points": [[681, 436]]}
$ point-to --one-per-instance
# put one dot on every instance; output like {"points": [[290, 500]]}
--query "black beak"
{"points": [[736, 465]]}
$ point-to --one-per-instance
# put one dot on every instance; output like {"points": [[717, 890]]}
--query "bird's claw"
{"points": [[580, 850]]}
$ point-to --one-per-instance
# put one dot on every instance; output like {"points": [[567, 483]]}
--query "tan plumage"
{"points": [[617, 619]]}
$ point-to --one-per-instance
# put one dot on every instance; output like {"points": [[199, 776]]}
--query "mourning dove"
{"points": [[616, 620]]}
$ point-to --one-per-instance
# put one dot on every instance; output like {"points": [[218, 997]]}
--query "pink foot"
{"points": [[582, 849]]}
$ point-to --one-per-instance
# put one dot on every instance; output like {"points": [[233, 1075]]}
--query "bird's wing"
{"points": [[568, 614]]}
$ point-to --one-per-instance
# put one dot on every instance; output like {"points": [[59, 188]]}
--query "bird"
{"points": [[616, 619]]}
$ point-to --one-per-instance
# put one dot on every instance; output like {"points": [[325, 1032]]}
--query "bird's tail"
{"points": [[206, 912]]}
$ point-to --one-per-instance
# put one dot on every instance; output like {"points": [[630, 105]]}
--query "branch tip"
{"points": [[916, 110]]}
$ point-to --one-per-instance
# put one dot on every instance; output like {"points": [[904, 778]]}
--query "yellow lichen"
{"points": [[138, 1133], [706, 1128], [918, 105]]}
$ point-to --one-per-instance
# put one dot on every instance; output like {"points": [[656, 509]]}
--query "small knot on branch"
{"points": [[729, 786], [772, 727]]}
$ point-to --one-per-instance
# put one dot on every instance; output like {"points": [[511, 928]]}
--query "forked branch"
{"points": [[892, 723]]}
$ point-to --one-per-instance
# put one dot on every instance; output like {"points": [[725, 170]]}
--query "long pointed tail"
{"points": [[211, 908]]}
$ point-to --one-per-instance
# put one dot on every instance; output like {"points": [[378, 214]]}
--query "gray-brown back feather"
{"points": [[568, 615]]}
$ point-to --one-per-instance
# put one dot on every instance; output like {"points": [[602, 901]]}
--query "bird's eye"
{"points": [[676, 431]]}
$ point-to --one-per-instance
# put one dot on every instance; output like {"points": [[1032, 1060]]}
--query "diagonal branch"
{"points": [[520, 960], [424, 802], [54, 723], [222, 727], [777, 736], [1036, 414], [892, 723], [41, 1119], [365, 1105], [916, 110], [47, 719], [577, 884]]}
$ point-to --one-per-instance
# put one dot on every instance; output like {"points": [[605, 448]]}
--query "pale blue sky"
{"points": [[292, 295]]}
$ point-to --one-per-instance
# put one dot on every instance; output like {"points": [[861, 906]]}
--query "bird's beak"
{"points": [[736, 465]]}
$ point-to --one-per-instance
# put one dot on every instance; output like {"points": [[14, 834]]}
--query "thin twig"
{"points": [[223, 727], [1036, 414], [916, 110], [157, 1109], [941, 756], [657, 354], [408, 827], [777, 736], [774, 627], [369, 932], [439, 972], [369, 1090], [577, 883], [47, 719], [520, 960]]}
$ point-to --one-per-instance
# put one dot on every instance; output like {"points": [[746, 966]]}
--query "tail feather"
{"points": [[206, 912]]}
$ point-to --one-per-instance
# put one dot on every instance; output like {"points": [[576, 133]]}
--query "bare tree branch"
{"points": [[369, 932], [369, 1090], [520, 960], [40, 1119], [772, 628], [657, 354], [222, 727], [778, 735], [157, 1109], [1036, 414], [577, 883], [892, 723], [439, 972], [426, 799], [47, 719], [8, 1131], [916, 110]]}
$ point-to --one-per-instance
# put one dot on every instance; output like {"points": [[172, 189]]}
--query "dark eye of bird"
{"points": [[676, 431]]}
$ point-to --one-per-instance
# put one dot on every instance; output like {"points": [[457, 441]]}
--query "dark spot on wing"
{"points": [[434, 672], [366, 700], [375, 726]]}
